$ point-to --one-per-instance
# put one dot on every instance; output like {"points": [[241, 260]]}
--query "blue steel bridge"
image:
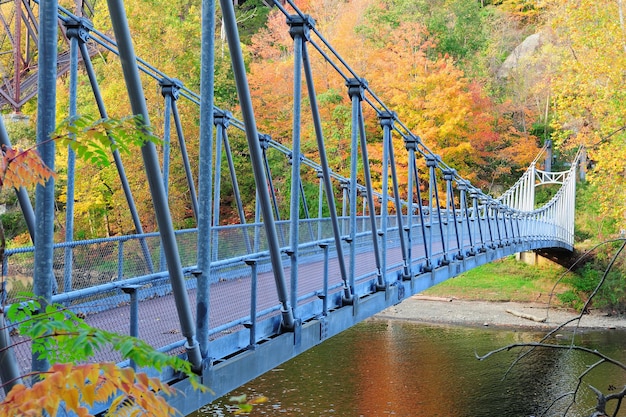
{"points": [[237, 300]]}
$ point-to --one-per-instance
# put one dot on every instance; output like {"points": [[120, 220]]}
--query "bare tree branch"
{"points": [[528, 348]]}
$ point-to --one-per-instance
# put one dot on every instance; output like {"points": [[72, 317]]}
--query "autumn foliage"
{"points": [[61, 337], [434, 98], [74, 382], [22, 168], [71, 388]]}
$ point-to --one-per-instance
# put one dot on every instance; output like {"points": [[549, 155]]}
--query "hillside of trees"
{"points": [[440, 64]]}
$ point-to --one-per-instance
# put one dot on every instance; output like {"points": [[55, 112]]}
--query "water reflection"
{"points": [[392, 368]]}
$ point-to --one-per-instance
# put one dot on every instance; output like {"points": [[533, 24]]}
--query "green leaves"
{"points": [[95, 140], [60, 336]]}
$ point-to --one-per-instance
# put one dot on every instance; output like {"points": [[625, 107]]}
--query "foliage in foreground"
{"points": [[58, 335], [64, 339]]}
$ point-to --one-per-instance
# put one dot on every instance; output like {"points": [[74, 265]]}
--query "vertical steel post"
{"points": [[44, 283], [410, 147], [462, 186], [155, 181], [324, 295], [369, 190], [298, 31], [239, 70], [80, 30], [330, 198], [353, 84], [432, 163], [120, 261], [486, 201], [167, 127], [205, 171], [476, 217], [71, 164], [427, 250], [345, 186], [386, 120], [305, 207], [264, 142], [252, 263], [496, 209], [132, 290], [166, 92], [320, 204], [517, 216], [170, 90], [221, 121], [531, 200], [363, 194], [217, 186], [448, 175], [369, 199], [183, 152], [257, 221]]}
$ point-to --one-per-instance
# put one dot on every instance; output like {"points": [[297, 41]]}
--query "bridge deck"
{"points": [[235, 358]]}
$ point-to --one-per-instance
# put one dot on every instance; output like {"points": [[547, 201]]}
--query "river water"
{"points": [[396, 368]]}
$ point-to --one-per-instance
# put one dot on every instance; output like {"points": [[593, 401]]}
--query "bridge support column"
{"points": [[153, 174], [462, 186], [205, 172], [325, 169], [79, 30], [528, 257], [432, 162], [256, 157], [44, 282], [299, 32], [170, 89], [356, 91], [476, 217], [448, 176], [386, 121]]}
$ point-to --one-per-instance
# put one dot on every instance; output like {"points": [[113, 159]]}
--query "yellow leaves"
{"points": [[245, 406], [89, 394], [133, 394], [588, 57]]}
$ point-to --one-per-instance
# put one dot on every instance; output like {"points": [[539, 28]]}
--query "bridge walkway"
{"points": [[266, 290]]}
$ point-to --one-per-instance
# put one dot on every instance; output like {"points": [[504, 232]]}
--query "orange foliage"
{"points": [[432, 96], [22, 168], [67, 386]]}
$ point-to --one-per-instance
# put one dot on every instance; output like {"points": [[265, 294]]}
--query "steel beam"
{"points": [[155, 181], [44, 283], [239, 69]]}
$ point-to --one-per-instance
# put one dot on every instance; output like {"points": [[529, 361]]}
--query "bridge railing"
{"points": [[360, 241]]}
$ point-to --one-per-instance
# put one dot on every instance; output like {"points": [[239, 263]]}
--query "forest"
{"points": [[484, 83]]}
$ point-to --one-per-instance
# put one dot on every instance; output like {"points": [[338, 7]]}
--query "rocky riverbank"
{"points": [[451, 311]]}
